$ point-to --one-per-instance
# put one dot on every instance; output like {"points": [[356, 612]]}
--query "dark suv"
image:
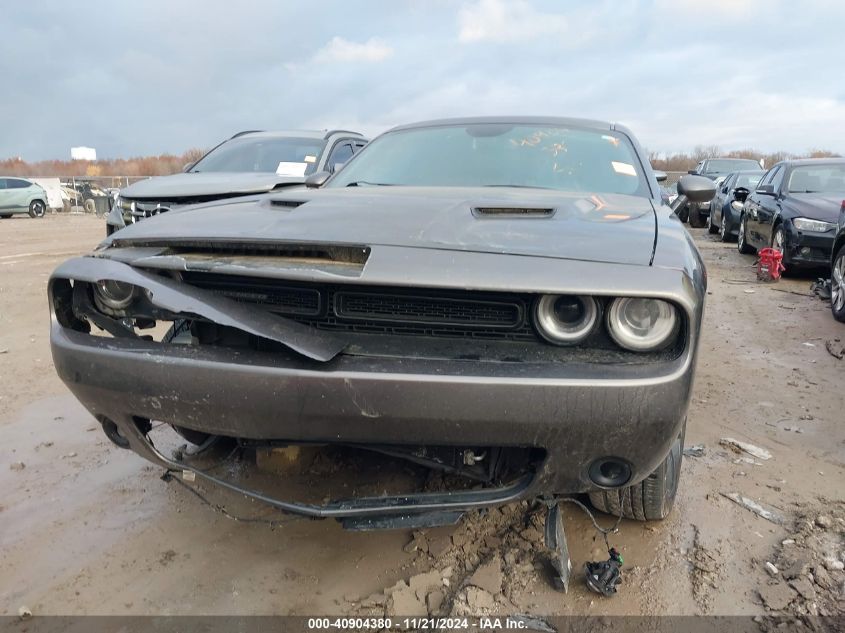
{"points": [[248, 163], [714, 168]]}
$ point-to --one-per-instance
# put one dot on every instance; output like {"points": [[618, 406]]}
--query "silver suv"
{"points": [[248, 163]]}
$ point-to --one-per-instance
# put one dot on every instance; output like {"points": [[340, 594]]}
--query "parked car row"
{"points": [[496, 298], [796, 207]]}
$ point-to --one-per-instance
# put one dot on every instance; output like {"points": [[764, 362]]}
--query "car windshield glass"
{"points": [[748, 181], [725, 165], [500, 155], [286, 156], [813, 178]]}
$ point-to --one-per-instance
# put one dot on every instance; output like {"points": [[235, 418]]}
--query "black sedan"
{"points": [[794, 210], [727, 204]]}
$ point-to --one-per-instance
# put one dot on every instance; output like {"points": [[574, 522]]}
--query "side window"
{"points": [[2, 183], [726, 186], [767, 178], [16, 183], [778, 179], [341, 153]]}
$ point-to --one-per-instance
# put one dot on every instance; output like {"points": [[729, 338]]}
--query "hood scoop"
{"points": [[287, 204], [513, 212]]}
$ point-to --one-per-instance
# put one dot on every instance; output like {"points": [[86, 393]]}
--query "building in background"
{"points": [[83, 153]]}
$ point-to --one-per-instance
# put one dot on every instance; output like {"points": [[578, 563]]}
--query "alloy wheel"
{"points": [[778, 239], [741, 240], [837, 284], [723, 231]]}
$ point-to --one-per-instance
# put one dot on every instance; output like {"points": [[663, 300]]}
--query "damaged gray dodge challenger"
{"points": [[502, 298]]}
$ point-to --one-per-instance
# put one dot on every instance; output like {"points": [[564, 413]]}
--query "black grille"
{"points": [[426, 309], [382, 310], [283, 299]]}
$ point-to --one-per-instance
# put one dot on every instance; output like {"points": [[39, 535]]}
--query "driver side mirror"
{"points": [[766, 190], [691, 172], [317, 180], [740, 194], [693, 189]]}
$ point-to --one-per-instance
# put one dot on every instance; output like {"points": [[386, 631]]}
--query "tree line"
{"points": [[161, 165], [687, 161]]}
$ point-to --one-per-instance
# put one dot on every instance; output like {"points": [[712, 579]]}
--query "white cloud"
{"points": [[342, 50], [502, 20]]}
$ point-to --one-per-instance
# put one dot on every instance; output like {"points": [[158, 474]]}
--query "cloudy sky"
{"points": [[144, 77]]}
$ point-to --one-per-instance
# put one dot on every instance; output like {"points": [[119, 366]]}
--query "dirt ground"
{"points": [[86, 528]]}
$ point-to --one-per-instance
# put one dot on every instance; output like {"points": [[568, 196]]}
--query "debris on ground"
{"points": [[24, 613], [697, 450], [18, 466], [744, 447], [811, 582], [835, 348], [821, 288], [756, 508], [705, 570], [771, 568]]}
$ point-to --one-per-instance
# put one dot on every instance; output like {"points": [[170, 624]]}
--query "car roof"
{"points": [[517, 120], [794, 162], [315, 134]]}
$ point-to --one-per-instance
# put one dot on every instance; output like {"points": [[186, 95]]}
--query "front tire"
{"points": [[837, 286], [695, 219], [651, 499], [724, 234], [37, 209], [741, 243], [711, 226]]}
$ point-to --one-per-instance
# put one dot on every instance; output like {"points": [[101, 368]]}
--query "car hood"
{"points": [[817, 206], [601, 227], [206, 185]]}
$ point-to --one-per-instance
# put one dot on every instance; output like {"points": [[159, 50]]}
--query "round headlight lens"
{"points": [[641, 324], [566, 318], [115, 295]]}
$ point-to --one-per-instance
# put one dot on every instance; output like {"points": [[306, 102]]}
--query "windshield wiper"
{"points": [[364, 183]]}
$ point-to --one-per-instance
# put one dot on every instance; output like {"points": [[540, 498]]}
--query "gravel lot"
{"points": [[86, 528]]}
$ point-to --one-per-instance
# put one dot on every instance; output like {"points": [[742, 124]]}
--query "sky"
{"points": [[137, 78]]}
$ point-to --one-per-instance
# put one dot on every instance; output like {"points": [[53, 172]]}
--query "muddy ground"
{"points": [[86, 528]]}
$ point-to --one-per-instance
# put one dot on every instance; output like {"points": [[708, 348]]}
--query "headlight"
{"points": [[563, 319], [113, 296], [817, 226], [641, 324], [125, 206]]}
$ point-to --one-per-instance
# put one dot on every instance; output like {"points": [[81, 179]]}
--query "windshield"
{"points": [[748, 181], [725, 165], [500, 155], [286, 156], [817, 178]]}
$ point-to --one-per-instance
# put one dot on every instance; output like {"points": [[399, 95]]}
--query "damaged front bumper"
{"points": [[573, 413]]}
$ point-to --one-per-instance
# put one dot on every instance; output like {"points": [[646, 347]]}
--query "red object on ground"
{"points": [[770, 265]]}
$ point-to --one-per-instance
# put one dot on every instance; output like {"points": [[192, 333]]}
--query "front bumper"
{"points": [[807, 249], [574, 412]]}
